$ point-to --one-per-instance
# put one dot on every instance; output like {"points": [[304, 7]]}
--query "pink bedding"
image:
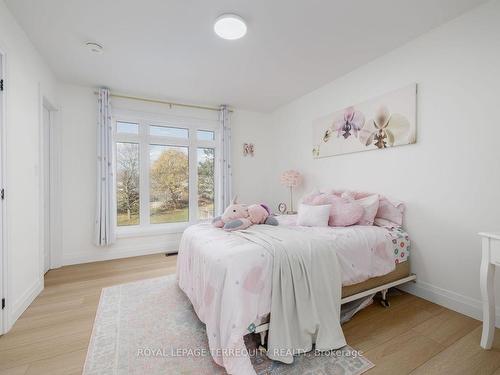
{"points": [[363, 251], [390, 210], [228, 279]]}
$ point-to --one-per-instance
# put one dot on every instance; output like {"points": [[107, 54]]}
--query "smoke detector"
{"points": [[94, 47]]}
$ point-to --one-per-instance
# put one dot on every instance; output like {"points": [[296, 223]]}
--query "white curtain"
{"points": [[226, 175], [105, 215]]}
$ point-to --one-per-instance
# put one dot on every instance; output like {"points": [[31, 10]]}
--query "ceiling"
{"points": [[167, 48]]}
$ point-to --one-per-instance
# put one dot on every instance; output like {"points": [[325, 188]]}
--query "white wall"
{"points": [[78, 123], [450, 178], [27, 78], [252, 179]]}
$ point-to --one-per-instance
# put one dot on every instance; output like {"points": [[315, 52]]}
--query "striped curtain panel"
{"points": [[226, 175], [105, 213]]}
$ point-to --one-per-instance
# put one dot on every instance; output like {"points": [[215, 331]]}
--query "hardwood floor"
{"points": [[412, 336]]}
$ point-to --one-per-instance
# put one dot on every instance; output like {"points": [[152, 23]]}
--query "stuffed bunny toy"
{"points": [[241, 216]]}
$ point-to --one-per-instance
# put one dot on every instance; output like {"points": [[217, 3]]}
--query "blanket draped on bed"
{"points": [[306, 292]]}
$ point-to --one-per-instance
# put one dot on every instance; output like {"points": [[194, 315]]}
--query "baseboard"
{"points": [[22, 304], [451, 300], [111, 254]]}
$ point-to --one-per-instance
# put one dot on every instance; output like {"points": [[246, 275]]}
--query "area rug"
{"points": [[150, 328]]}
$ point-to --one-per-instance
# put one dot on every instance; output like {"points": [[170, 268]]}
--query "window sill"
{"points": [[150, 231]]}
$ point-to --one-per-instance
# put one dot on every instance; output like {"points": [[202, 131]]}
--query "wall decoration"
{"points": [[248, 149], [386, 121]]}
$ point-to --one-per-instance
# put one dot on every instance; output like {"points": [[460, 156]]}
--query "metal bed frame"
{"points": [[263, 328]]}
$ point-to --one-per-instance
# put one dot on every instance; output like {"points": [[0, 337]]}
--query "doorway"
{"points": [[50, 192], [48, 182], [3, 251], [47, 126]]}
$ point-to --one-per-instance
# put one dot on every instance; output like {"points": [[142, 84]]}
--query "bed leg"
{"points": [[263, 335], [384, 301]]}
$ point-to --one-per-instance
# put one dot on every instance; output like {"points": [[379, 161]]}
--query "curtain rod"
{"points": [[171, 104]]}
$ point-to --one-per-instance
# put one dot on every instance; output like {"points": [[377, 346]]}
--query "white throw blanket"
{"points": [[306, 292]]}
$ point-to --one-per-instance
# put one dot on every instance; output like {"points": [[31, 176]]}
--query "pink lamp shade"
{"points": [[291, 178]]}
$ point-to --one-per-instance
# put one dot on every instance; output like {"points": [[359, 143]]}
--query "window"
{"points": [[127, 183], [169, 184], [127, 128], [204, 135], [206, 182], [165, 174], [166, 131]]}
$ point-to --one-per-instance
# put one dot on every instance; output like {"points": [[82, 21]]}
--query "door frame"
{"points": [[4, 319], [54, 185]]}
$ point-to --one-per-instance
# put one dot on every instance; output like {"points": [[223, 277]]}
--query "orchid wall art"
{"points": [[387, 121]]}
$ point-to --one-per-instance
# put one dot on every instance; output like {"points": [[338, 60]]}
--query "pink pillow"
{"points": [[391, 211], [308, 198], [388, 209], [370, 206], [342, 212]]}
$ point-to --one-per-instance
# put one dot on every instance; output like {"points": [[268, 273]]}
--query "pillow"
{"points": [[343, 212], [391, 210], [384, 223], [308, 198], [322, 199], [313, 216], [370, 205]]}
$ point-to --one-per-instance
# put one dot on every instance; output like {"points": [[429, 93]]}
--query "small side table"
{"points": [[490, 259]]}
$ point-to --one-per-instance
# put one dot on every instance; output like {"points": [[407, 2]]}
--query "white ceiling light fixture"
{"points": [[94, 47], [230, 26]]}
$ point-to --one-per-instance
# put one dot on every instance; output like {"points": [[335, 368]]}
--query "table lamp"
{"points": [[291, 179]]}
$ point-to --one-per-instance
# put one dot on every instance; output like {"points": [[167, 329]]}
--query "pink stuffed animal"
{"points": [[240, 216]]}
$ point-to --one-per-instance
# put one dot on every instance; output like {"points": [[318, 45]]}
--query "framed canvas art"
{"points": [[386, 121]]}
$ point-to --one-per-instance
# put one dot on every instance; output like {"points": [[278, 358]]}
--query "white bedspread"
{"points": [[306, 291], [228, 279]]}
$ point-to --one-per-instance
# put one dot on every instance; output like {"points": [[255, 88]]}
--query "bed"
{"points": [[228, 278]]}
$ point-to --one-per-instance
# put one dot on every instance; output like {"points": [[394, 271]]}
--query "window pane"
{"points": [[127, 183], [205, 135], [206, 183], [165, 131], [169, 177], [127, 127]]}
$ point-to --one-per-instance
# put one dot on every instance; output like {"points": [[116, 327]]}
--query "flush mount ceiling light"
{"points": [[230, 26], [94, 47]]}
